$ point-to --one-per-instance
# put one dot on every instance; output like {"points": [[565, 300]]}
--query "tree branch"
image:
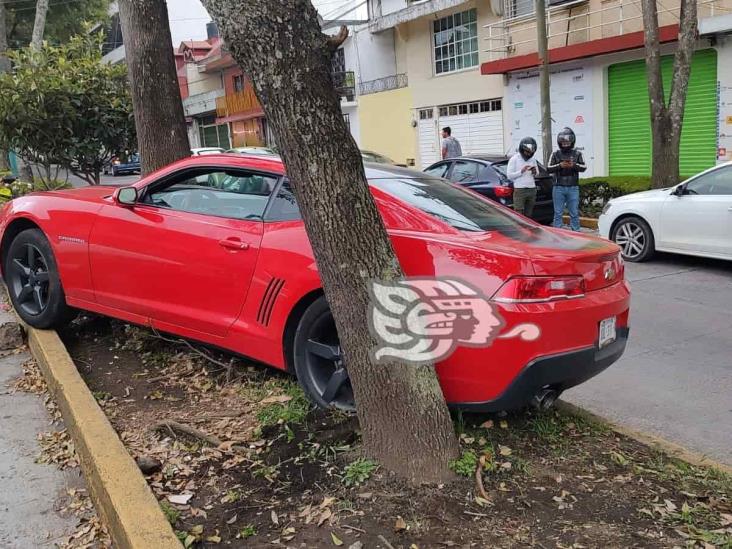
{"points": [[335, 41], [688, 33], [653, 57]]}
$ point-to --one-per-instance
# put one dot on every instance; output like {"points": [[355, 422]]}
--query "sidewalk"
{"points": [[31, 493]]}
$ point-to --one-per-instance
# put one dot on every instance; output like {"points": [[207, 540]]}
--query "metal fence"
{"points": [[387, 83]]}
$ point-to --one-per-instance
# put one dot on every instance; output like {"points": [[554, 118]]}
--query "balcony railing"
{"points": [[574, 22], [242, 102], [201, 102], [393, 82], [345, 84]]}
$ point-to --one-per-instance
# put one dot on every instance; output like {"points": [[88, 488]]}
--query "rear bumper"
{"points": [[558, 372]]}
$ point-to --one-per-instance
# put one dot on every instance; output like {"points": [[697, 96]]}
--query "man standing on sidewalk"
{"points": [[450, 146], [566, 165], [521, 171]]}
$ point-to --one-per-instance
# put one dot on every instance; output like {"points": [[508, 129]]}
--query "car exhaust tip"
{"points": [[545, 399]]}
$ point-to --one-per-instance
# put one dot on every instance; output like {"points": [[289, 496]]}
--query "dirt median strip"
{"points": [[117, 487], [669, 448]]}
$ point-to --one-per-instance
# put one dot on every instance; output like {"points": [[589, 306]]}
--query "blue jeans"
{"points": [[569, 197]]}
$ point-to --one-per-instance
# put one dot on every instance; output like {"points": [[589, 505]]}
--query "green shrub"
{"points": [[21, 188], [466, 464], [596, 191], [359, 471]]}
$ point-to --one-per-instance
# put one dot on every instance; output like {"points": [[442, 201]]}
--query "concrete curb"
{"points": [[587, 222], [119, 491], [669, 448]]}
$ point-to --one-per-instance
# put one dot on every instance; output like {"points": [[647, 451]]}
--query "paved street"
{"points": [[106, 180], [675, 379], [29, 498]]}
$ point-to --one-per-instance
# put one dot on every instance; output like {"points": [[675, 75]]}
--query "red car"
{"points": [[212, 248]]}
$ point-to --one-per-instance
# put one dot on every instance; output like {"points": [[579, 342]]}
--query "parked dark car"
{"points": [[125, 164], [486, 174]]}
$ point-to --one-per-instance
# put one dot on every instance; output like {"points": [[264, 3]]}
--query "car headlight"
{"points": [[606, 207]]}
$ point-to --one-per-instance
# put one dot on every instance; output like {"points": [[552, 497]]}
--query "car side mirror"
{"points": [[126, 196], [680, 190]]}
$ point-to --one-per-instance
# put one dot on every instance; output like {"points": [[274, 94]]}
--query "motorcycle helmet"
{"points": [[527, 147], [566, 139]]}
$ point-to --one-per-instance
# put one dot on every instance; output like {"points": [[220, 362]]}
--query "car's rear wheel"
{"points": [[635, 239], [31, 275], [318, 359]]}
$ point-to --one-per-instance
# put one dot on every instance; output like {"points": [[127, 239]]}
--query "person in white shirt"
{"points": [[521, 171]]}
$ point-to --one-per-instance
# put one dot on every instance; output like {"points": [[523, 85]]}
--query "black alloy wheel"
{"points": [[29, 279], [33, 283], [318, 359]]}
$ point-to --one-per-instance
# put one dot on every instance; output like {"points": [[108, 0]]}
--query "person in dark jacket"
{"points": [[566, 165]]}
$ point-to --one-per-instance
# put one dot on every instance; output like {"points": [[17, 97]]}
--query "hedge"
{"points": [[596, 191]]}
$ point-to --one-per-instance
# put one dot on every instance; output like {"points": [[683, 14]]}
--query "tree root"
{"points": [[479, 478], [180, 428]]}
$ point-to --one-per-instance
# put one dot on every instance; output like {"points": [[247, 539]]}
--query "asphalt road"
{"points": [[120, 180], [675, 379]]}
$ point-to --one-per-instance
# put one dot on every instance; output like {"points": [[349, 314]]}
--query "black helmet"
{"points": [[527, 147], [566, 139]]}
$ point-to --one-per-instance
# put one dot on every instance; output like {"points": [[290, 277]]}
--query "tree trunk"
{"points": [[159, 118], [39, 25], [404, 419], [667, 119], [4, 67]]}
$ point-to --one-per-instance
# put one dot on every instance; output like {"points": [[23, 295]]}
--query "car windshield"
{"points": [[371, 156], [459, 208]]}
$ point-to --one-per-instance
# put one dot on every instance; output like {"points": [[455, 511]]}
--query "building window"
{"points": [[426, 114], [519, 8], [455, 42], [239, 83], [347, 119], [213, 135]]}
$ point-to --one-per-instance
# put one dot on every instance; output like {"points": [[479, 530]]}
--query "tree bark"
{"points": [[39, 25], [667, 118], [404, 419], [159, 118]]}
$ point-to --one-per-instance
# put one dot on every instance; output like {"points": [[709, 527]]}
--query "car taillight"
{"points": [[536, 289], [503, 192]]}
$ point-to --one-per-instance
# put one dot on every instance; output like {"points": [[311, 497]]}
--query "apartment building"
{"points": [[439, 48], [599, 83]]}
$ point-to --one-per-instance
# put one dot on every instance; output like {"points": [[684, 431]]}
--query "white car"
{"points": [[202, 151], [693, 218]]}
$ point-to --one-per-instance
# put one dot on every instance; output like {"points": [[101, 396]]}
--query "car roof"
{"points": [[274, 164], [491, 158]]}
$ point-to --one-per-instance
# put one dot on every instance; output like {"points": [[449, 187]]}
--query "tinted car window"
{"points": [[464, 171], [489, 174], [459, 208], [284, 207], [438, 170], [717, 182]]}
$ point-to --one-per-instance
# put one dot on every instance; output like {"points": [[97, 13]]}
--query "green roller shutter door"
{"points": [[629, 122]]}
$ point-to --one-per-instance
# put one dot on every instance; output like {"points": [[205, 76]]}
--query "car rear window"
{"points": [[459, 208]]}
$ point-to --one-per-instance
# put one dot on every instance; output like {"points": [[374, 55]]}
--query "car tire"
{"points": [[318, 359], [34, 286], [635, 238]]}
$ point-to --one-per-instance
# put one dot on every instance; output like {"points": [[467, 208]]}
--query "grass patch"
{"points": [[292, 412], [466, 464], [171, 513], [359, 471], [247, 531]]}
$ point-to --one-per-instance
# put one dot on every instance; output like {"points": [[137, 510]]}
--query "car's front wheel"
{"points": [[635, 238], [34, 286], [318, 359]]}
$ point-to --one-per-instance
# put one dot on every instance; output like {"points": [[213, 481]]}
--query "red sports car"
{"points": [[212, 248]]}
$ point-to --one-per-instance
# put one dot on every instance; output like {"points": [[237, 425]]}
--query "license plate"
{"points": [[607, 331]]}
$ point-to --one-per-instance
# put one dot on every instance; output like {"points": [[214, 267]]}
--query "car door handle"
{"points": [[233, 244]]}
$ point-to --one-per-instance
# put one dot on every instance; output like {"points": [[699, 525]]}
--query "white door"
{"points": [[700, 220], [429, 143]]}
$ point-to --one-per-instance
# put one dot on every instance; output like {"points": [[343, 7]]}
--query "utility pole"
{"points": [[546, 105]]}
